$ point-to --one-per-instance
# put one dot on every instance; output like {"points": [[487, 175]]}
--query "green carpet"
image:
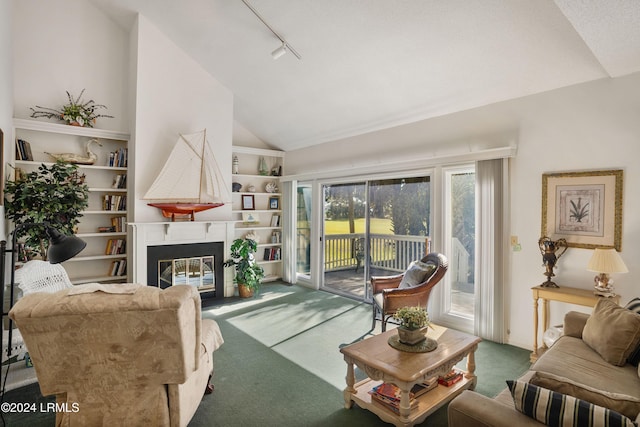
{"points": [[280, 364]]}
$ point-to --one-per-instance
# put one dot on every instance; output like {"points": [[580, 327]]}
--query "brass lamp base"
{"points": [[549, 284]]}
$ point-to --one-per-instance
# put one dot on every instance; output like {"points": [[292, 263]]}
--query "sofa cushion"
{"points": [[634, 357], [416, 274], [627, 405], [557, 409], [612, 331], [577, 369]]}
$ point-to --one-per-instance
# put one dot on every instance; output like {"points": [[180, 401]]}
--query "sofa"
{"points": [[120, 354], [588, 368]]}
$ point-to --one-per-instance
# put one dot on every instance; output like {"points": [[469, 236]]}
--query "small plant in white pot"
{"points": [[249, 273]]}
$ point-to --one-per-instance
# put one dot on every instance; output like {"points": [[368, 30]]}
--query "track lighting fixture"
{"points": [[285, 47], [279, 51]]}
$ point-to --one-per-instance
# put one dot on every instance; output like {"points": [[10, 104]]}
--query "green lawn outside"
{"points": [[342, 256], [378, 226]]}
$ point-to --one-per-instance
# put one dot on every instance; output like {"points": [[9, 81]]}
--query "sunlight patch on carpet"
{"points": [[288, 317]]}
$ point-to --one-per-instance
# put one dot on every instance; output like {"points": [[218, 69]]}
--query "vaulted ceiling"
{"points": [[372, 64]]}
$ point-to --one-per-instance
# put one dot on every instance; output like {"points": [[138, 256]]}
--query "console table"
{"points": [[584, 297]]}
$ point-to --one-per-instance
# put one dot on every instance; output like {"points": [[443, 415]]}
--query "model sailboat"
{"points": [[190, 180]]}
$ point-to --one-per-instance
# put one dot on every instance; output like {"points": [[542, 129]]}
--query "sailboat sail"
{"points": [[190, 180]]}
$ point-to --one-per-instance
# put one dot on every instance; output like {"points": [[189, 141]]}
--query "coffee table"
{"points": [[383, 363]]}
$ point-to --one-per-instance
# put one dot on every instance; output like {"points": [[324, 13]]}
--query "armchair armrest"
{"points": [[574, 323], [380, 283], [471, 409]]}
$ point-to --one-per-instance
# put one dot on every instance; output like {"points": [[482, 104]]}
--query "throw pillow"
{"points": [[561, 410], [416, 274], [634, 357], [612, 331], [626, 404]]}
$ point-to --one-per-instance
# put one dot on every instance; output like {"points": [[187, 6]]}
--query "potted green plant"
{"points": [[414, 322], [76, 112], [55, 194], [249, 273]]}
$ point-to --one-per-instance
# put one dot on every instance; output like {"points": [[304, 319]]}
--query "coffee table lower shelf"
{"points": [[426, 405]]}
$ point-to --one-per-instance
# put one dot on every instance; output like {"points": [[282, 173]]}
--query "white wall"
{"points": [[585, 127], [6, 95], [69, 45], [175, 95]]}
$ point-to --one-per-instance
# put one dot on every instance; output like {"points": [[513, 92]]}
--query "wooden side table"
{"points": [[584, 297]]}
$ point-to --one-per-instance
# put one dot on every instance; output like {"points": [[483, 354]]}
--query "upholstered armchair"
{"points": [[409, 289], [120, 354]]}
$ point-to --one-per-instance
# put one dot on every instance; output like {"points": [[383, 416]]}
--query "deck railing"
{"points": [[386, 251]]}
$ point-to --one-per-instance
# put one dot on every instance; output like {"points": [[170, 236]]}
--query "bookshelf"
{"points": [[257, 203], [104, 221]]}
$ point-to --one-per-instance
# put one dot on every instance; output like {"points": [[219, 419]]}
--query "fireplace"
{"points": [[193, 249], [195, 264]]}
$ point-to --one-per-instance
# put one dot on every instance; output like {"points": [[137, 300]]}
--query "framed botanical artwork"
{"points": [[274, 203], [248, 202], [584, 208]]}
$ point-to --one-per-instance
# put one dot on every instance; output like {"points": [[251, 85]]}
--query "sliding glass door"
{"points": [[374, 227]]}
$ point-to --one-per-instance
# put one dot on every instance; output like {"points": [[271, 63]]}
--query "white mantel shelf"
{"points": [[145, 234]]}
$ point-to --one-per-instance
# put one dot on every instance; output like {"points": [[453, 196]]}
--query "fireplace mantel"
{"points": [[145, 234]]}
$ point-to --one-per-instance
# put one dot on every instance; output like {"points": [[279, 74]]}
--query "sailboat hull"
{"points": [[170, 210]]}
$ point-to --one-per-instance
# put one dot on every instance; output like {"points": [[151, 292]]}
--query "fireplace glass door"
{"points": [[196, 271]]}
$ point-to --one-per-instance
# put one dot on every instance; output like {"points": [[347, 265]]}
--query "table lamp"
{"points": [[605, 261]]}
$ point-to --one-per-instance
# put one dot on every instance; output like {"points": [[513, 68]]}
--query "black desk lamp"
{"points": [[61, 248]]}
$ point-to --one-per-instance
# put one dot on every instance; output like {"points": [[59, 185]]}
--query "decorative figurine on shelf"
{"points": [[551, 252], [271, 187], [236, 164], [236, 187], [262, 166]]}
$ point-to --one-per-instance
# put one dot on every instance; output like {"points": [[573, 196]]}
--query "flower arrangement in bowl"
{"points": [[414, 322], [76, 112]]}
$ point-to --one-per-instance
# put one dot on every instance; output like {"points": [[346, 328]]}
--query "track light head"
{"points": [[279, 51]]}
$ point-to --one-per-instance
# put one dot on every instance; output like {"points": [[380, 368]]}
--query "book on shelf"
{"points": [[275, 220], [449, 379], [118, 158], [115, 247], [119, 181], [23, 150], [118, 268], [271, 254], [114, 202]]}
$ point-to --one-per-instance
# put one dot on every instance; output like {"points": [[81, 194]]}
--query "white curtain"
{"points": [[288, 231], [491, 247]]}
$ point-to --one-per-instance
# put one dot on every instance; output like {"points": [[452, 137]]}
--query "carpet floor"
{"points": [[280, 364]]}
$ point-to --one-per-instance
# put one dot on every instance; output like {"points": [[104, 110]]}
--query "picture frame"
{"points": [[274, 203], [584, 208], [248, 202]]}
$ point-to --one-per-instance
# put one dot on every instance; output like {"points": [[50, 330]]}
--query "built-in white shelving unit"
{"points": [[100, 261], [261, 214]]}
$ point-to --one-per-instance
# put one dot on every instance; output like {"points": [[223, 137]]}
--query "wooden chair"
{"points": [[389, 297]]}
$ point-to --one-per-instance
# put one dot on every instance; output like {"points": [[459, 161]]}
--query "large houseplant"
{"points": [[54, 194], [249, 273]]}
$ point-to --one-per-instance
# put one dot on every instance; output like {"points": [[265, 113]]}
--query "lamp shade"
{"points": [[62, 247], [606, 261]]}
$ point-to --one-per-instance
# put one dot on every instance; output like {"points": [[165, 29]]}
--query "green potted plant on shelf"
{"points": [[55, 194], [414, 322], [249, 273], [75, 112]]}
